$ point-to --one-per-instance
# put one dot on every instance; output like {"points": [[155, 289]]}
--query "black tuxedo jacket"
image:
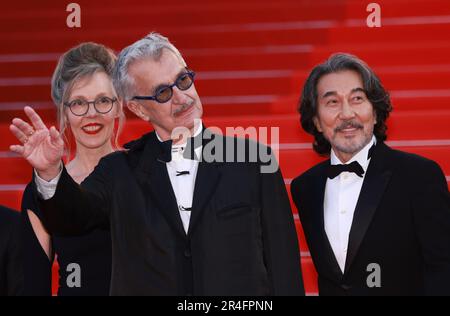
{"points": [[11, 267], [241, 238], [401, 222]]}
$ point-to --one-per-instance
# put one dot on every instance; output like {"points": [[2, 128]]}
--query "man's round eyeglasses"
{"points": [[165, 92]]}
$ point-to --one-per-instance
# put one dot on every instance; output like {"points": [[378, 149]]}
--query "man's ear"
{"points": [[317, 124], [138, 110], [119, 107]]}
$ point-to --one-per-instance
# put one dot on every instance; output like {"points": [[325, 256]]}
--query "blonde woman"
{"points": [[90, 114]]}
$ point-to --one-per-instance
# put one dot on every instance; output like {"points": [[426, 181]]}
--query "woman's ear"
{"points": [[65, 113]]}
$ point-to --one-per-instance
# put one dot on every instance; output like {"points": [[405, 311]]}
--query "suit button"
{"points": [[187, 253]]}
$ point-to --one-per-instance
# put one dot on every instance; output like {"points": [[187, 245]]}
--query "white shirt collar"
{"points": [[197, 132], [360, 157], [178, 149]]}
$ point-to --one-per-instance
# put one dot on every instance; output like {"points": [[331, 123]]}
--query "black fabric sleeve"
{"points": [[37, 266], [281, 249], [13, 258], [431, 211], [78, 209]]}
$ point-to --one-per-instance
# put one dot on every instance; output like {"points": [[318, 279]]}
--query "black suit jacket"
{"points": [[241, 238], [401, 222], [11, 267]]}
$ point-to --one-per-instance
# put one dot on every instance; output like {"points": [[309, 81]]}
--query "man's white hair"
{"points": [[151, 45]]}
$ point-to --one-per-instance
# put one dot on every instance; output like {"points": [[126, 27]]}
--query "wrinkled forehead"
{"points": [[92, 85], [341, 83], [153, 71]]}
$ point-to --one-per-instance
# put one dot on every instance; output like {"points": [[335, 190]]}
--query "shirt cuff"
{"points": [[47, 188]]}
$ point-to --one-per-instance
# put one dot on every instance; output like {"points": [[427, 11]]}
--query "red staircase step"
{"points": [[301, 236], [53, 16], [17, 65], [11, 199], [265, 57], [389, 33], [288, 33], [414, 77], [356, 9], [392, 52], [15, 171]]}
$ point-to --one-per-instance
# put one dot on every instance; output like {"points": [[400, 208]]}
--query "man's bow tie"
{"points": [[335, 170], [188, 151]]}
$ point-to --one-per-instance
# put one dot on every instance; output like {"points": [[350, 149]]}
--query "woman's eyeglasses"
{"points": [[80, 107]]}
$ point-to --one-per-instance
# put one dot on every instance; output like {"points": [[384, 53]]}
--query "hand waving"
{"points": [[43, 148]]}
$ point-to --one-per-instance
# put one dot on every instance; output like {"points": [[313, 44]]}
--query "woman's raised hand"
{"points": [[43, 148]]}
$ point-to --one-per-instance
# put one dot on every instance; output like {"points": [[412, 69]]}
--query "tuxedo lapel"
{"points": [[208, 176], [151, 173], [162, 193], [330, 264], [373, 188]]}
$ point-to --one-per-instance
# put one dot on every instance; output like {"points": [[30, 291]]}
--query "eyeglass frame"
{"points": [[68, 104], [188, 72]]}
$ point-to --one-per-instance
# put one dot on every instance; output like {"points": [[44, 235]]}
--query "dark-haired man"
{"points": [[377, 220]]}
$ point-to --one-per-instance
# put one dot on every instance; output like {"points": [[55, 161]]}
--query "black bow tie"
{"points": [[193, 143], [335, 170], [165, 154]]}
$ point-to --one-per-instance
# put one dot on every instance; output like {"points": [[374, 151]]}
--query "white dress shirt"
{"points": [[183, 185], [341, 196], [46, 188]]}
